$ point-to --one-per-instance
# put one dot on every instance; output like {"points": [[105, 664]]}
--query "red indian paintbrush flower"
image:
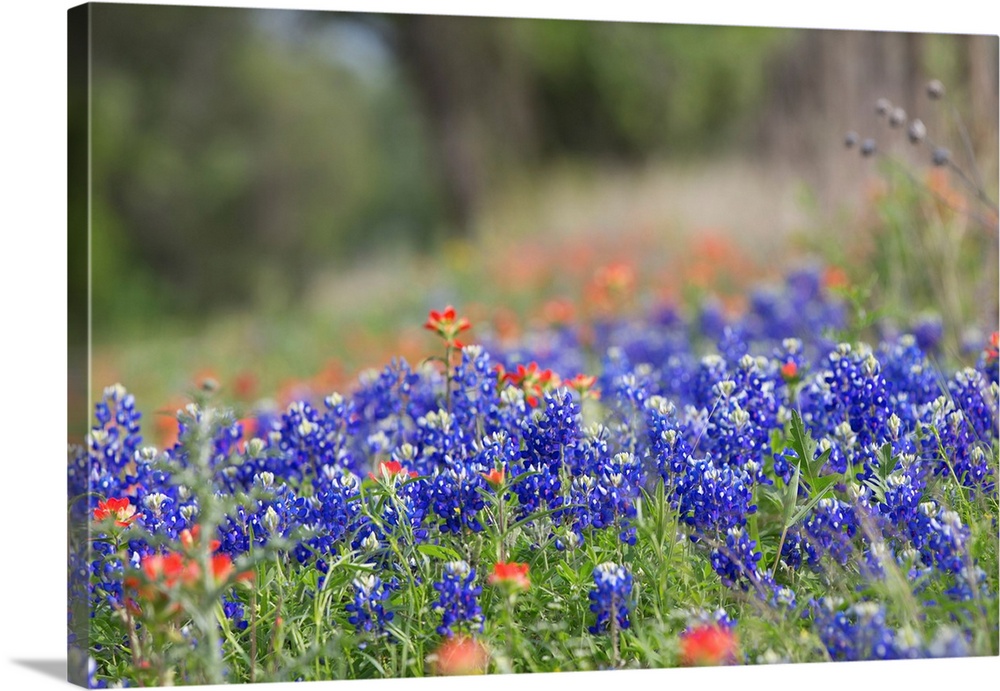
{"points": [[558, 312], [710, 644], [993, 349], [494, 477], [789, 370], [390, 469], [512, 574], [583, 385], [447, 326], [461, 655], [120, 509], [531, 380], [222, 568], [189, 537]]}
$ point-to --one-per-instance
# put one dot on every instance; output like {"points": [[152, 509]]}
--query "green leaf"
{"points": [[886, 462], [800, 439], [439, 552], [821, 487], [791, 497], [877, 486], [772, 495], [815, 466], [541, 514]]}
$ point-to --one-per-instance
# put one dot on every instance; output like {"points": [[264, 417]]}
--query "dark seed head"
{"points": [[883, 106], [941, 156], [868, 147], [850, 140], [935, 89], [917, 131], [897, 117]]}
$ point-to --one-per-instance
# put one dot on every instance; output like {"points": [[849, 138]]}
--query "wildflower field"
{"points": [[629, 444], [643, 490]]}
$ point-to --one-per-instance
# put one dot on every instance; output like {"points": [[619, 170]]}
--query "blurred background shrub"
{"points": [[239, 153]]}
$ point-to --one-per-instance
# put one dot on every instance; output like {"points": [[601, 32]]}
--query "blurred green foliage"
{"points": [[646, 90], [236, 152], [227, 165]]}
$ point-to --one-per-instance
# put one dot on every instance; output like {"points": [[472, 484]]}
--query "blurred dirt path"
{"points": [[760, 207]]}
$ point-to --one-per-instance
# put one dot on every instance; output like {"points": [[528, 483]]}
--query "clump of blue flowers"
{"points": [[611, 597], [458, 601], [367, 611]]}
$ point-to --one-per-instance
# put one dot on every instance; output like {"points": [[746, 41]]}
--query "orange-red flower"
{"points": [[190, 537], [162, 572], [170, 569], [834, 277], [511, 574], [611, 286], [531, 380], [390, 469], [461, 655], [120, 509], [222, 569], [789, 370], [447, 326], [558, 312], [249, 427], [710, 644], [992, 351], [583, 385], [165, 571], [494, 477], [245, 385]]}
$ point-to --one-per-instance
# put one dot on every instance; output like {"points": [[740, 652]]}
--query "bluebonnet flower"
{"points": [[233, 609], [440, 440], [553, 431], [612, 501], [949, 641], [829, 530], [711, 371], [667, 446], [718, 617], [712, 499], [309, 440], [409, 499], [455, 498], [711, 319], [611, 597], [113, 443], [367, 610], [737, 428], [736, 561], [953, 439], [386, 399], [328, 517], [539, 486], [858, 632], [972, 393], [858, 391], [458, 601], [927, 331], [734, 343], [92, 681], [258, 521], [475, 399]]}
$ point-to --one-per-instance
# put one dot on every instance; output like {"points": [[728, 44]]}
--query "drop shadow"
{"points": [[55, 668]]}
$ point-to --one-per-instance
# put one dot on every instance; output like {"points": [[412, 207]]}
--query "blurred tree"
{"points": [[510, 93], [230, 162], [822, 84], [236, 151]]}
